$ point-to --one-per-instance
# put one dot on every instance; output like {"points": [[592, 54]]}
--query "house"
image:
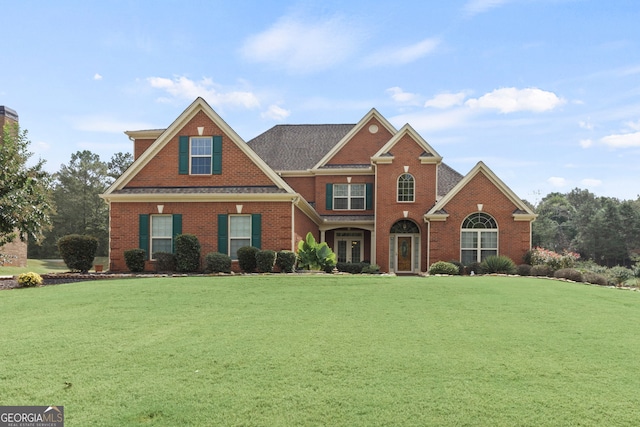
{"points": [[372, 192]]}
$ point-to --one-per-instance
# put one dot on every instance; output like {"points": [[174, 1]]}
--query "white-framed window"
{"points": [[406, 188], [239, 233], [201, 154], [349, 246], [161, 234], [349, 196], [478, 238]]}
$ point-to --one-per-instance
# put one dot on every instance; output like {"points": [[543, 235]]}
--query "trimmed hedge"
{"points": [[286, 261], [541, 270], [265, 260], [78, 251], [569, 274], [165, 261], [134, 258], [187, 253], [523, 270], [216, 262], [443, 267], [247, 258]]}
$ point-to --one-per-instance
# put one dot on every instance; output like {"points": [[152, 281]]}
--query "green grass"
{"points": [[324, 351], [43, 266]]}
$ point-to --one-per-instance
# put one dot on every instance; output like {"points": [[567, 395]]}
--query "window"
{"points": [[349, 246], [161, 234], [239, 233], [406, 188], [348, 196], [479, 238], [201, 155]]}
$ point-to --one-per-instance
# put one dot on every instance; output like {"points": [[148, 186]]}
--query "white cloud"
{"points": [[403, 55], [586, 124], [304, 45], [446, 100], [510, 100], [474, 7], [97, 76], [106, 124], [590, 182], [275, 112], [185, 88], [557, 181], [430, 122], [634, 125], [622, 140], [586, 143], [402, 97]]}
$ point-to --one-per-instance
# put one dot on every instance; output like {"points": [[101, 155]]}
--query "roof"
{"points": [[297, 147], [447, 179], [201, 190]]}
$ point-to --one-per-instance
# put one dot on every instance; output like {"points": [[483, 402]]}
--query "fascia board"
{"points": [[173, 197], [408, 130]]}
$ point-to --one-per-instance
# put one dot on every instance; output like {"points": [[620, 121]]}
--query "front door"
{"points": [[404, 253]]}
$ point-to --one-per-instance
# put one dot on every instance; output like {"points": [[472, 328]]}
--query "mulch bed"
{"points": [[60, 278]]}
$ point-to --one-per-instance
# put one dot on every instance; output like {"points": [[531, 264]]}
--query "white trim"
{"points": [[407, 130]]}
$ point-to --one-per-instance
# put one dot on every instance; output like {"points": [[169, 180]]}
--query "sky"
{"points": [[545, 92]]}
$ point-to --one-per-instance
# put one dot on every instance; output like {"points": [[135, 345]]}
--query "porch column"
{"points": [[322, 238], [373, 247]]}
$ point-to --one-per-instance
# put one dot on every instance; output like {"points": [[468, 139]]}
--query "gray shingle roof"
{"points": [[297, 147], [447, 179]]}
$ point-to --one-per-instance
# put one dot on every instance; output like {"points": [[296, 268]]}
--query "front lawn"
{"points": [[324, 351]]}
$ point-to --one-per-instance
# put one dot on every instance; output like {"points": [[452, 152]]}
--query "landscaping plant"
{"points": [[315, 256]]}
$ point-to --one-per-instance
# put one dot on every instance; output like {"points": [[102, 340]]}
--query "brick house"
{"points": [[372, 192]]}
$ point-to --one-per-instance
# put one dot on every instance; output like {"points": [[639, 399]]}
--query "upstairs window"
{"points": [[200, 155], [406, 188], [349, 196], [201, 151]]}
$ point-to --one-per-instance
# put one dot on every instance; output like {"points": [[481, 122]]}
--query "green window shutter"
{"points": [[256, 230], [183, 160], [329, 196], [217, 155], [369, 196], [143, 232], [177, 229], [223, 233]]}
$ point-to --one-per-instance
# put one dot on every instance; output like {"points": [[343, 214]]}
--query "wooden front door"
{"points": [[404, 253]]}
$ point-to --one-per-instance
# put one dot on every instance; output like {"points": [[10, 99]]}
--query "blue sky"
{"points": [[545, 92]]}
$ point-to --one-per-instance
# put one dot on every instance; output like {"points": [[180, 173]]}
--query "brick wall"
{"points": [[362, 146]]}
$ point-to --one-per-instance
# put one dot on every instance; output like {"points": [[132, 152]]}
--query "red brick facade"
{"points": [[399, 236]]}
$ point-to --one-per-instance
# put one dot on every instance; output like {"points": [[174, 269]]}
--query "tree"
{"points": [[118, 164], [25, 191], [553, 229]]}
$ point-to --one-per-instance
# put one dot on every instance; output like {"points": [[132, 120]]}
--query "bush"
{"points": [[443, 267], [187, 253], [315, 256], [459, 265], [474, 268], [265, 260], [498, 264], [619, 275], [78, 251], [247, 258], [569, 274], [134, 258], [28, 280], [216, 262], [286, 261], [351, 267], [541, 270], [523, 270], [595, 278], [553, 259], [371, 269], [165, 261]]}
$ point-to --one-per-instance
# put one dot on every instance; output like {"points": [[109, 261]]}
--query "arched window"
{"points": [[478, 238], [406, 188]]}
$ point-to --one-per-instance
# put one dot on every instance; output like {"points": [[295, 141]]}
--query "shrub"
{"points": [[498, 264], [443, 267], [165, 261], [247, 258], [541, 270], [371, 269], [474, 268], [595, 278], [28, 280], [286, 261], [523, 270], [351, 267], [619, 275], [187, 253], [459, 265], [216, 262], [134, 258], [554, 260], [78, 251], [569, 274], [265, 260], [315, 256]]}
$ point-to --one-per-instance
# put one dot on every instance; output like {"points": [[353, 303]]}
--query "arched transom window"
{"points": [[406, 188], [479, 238]]}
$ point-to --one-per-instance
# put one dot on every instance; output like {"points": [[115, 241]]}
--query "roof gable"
{"points": [[199, 105], [524, 212], [372, 115], [429, 155]]}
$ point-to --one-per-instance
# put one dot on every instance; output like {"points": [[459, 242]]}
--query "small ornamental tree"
{"points": [[315, 256], [78, 251]]}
